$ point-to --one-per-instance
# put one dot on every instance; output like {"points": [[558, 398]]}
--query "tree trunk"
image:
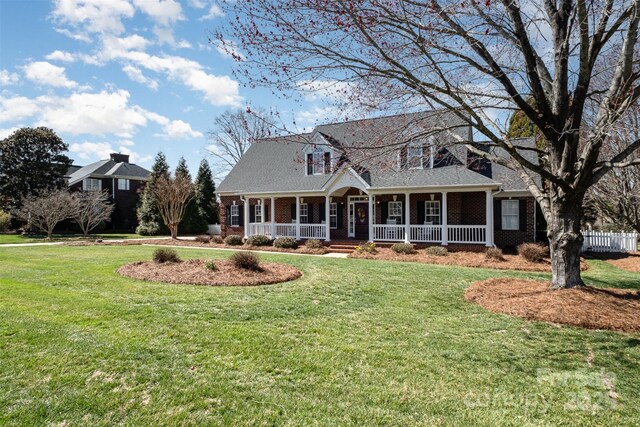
{"points": [[174, 230], [565, 241]]}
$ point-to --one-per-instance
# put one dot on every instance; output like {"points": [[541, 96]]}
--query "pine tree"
{"points": [[149, 220], [206, 194], [193, 222]]}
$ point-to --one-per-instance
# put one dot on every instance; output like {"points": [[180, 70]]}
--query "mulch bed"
{"points": [[194, 272], [587, 307], [463, 259]]}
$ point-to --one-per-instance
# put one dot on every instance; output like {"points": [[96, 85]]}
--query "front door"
{"points": [[361, 213]]}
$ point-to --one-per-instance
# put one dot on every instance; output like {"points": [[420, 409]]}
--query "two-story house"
{"points": [[390, 179], [123, 181]]}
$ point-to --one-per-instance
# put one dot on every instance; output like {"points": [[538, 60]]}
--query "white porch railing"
{"points": [[467, 233], [426, 233], [388, 233], [598, 241], [307, 231]]}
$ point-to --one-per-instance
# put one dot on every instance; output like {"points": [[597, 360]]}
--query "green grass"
{"points": [[353, 342], [6, 239]]}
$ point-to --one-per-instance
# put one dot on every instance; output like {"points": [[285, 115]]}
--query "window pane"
{"points": [[510, 214]]}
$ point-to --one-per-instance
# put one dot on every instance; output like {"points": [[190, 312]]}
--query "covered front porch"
{"points": [[452, 216]]}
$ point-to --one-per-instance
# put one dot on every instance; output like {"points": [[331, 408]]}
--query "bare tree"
{"points": [[233, 133], [46, 211], [172, 196], [93, 208], [480, 60]]}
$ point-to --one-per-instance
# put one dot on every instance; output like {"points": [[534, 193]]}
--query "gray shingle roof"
{"points": [[510, 179], [109, 168]]}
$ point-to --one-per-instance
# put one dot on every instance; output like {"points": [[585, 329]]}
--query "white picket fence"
{"points": [[600, 241]]}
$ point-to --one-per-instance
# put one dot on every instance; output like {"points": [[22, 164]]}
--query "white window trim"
{"points": [[397, 207], [505, 215], [432, 216], [257, 213], [333, 214], [318, 166], [415, 146], [86, 187], [126, 182], [304, 208], [235, 214]]}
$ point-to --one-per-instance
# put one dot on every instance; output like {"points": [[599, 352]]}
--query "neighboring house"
{"points": [[379, 180], [123, 181]]}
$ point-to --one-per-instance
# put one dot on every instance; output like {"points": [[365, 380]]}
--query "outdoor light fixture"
{"points": [[301, 199], [433, 196], [234, 203], [395, 198], [330, 199]]}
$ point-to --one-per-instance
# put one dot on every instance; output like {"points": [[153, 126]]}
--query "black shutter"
{"points": [[252, 213], [340, 213], [321, 215], [327, 163], [421, 212], [404, 206], [310, 213], [293, 212], [384, 212], [522, 213], [227, 219], [497, 214], [241, 215], [265, 212], [309, 164]]}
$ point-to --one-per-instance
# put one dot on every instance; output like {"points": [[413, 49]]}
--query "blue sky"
{"points": [[135, 76]]}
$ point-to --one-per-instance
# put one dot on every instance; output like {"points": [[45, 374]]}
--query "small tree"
{"points": [[192, 222], [93, 208], [206, 194], [172, 196], [46, 211], [149, 220]]}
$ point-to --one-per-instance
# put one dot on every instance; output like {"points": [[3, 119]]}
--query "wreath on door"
{"points": [[362, 215]]}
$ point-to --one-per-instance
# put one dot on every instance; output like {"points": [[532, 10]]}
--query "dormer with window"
{"points": [[318, 157], [417, 154]]}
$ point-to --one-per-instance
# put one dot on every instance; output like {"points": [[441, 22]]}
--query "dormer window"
{"points": [[417, 155], [318, 162]]}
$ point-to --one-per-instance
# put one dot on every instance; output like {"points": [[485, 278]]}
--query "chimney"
{"points": [[120, 158]]}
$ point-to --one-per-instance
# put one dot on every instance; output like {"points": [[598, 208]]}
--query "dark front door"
{"points": [[361, 212]]}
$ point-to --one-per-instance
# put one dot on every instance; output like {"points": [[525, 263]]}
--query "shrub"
{"points": [[246, 261], [314, 244], [437, 251], [369, 248], [403, 248], [285, 243], [203, 238], [233, 240], [211, 266], [162, 255], [259, 240], [5, 220], [218, 240], [533, 252], [150, 229], [494, 254]]}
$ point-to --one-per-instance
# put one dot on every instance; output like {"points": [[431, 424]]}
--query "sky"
{"points": [[130, 76]]}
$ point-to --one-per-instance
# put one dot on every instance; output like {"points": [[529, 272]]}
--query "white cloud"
{"points": [[177, 129], [93, 151], [17, 108], [117, 47], [136, 75], [214, 12], [164, 12], [7, 78], [45, 73], [97, 16], [78, 35], [8, 131], [59, 55], [198, 4]]}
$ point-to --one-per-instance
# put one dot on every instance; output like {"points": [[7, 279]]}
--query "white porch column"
{"points": [[247, 223], [297, 217], [407, 217], [489, 218], [327, 215], [445, 223], [262, 211], [272, 206], [371, 218]]}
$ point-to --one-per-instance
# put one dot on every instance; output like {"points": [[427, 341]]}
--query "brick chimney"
{"points": [[120, 158]]}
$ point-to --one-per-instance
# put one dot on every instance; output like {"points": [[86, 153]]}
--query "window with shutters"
{"points": [[510, 214], [395, 212], [319, 162], [333, 215], [432, 212], [235, 215], [258, 213]]}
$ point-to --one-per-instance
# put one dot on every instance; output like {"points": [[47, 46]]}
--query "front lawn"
{"points": [[6, 239], [353, 342]]}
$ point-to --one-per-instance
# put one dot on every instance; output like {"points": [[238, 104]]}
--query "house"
{"points": [[392, 179], [123, 181]]}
